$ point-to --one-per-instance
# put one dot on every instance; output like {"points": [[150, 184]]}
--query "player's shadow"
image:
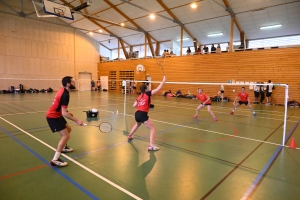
{"points": [[142, 171]]}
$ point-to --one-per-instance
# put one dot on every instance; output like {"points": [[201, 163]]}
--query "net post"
{"points": [[285, 112], [125, 91]]}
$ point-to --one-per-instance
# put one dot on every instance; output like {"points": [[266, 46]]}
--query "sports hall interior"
{"points": [[237, 157]]}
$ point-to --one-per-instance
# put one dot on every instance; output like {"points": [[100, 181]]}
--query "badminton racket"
{"points": [[104, 127], [161, 64]]}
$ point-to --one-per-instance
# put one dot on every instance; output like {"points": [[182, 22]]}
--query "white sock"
{"points": [[56, 155]]}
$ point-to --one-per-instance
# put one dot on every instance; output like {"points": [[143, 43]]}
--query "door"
{"points": [[104, 82], [85, 81]]}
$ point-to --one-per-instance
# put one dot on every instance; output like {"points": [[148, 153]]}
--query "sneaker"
{"points": [[67, 149], [254, 115], [195, 116], [129, 137], [153, 148], [58, 163], [215, 119], [231, 112]]}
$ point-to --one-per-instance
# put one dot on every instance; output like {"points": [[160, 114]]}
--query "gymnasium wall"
{"points": [[33, 49], [280, 65]]}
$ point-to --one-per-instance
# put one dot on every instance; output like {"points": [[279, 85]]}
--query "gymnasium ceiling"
{"points": [[210, 16]]}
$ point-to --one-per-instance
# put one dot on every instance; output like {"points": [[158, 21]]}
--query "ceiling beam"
{"points": [[228, 9], [135, 24], [124, 49], [111, 33], [177, 20]]}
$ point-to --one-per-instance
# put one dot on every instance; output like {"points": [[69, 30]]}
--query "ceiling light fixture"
{"points": [[214, 34], [122, 24], [183, 39], [152, 16], [272, 26], [91, 33], [100, 30], [193, 5]]}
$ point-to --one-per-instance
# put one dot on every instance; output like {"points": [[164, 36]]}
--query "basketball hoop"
{"points": [[60, 11]]}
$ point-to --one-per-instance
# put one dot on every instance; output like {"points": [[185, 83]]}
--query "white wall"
{"points": [[32, 49]]}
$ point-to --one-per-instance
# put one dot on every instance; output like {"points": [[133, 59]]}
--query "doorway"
{"points": [[84, 82]]}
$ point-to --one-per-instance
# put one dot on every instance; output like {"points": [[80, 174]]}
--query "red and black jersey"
{"points": [[203, 97], [243, 96], [144, 101], [61, 99]]}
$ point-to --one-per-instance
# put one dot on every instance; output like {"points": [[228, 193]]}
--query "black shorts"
{"points": [[222, 91], [242, 102], [268, 94], [256, 94], [208, 104], [57, 124], [141, 116], [133, 87]]}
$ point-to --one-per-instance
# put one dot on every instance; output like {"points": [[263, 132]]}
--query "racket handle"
{"points": [[84, 124]]}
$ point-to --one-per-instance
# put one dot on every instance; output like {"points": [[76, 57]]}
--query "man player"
{"points": [[243, 99], [205, 101], [142, 103], [57, 123]]}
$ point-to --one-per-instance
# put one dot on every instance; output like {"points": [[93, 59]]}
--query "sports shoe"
{"points": [[231, 112], [58, 163], [153, 148], [254, 115], [195, 116], [129, 137], [215, 119], [67, 149]]}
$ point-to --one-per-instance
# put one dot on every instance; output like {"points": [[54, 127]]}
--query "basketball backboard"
{"points": [[52, 9], [57, 9]]}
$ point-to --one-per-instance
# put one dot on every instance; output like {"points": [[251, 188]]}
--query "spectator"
{"points": [[205, 49], [262, 92], [178, 93], [222, 91], [213, 48], [93, 85], [188, 51], [269, 92], [199, 51], [228, 46], [164, 54], [167, 53], [98, 85], [218, 49], [256, 93]]}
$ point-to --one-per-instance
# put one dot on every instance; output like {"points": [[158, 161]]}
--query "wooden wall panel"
{"points": [[280, 65]]}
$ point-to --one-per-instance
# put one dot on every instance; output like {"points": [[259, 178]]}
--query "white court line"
{"points": [[77, 163]]}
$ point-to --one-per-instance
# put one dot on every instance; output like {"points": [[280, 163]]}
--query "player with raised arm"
{"points": [[57, 123], [243, 99], [205, 101], [142, 103]]}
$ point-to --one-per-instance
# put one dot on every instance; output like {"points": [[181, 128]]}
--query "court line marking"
{"points": [[77, 163], [262, 173], [194, 128], [23, 171], [53, 168]]}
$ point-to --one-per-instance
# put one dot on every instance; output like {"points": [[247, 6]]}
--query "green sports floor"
{"points": [[237, 157]]}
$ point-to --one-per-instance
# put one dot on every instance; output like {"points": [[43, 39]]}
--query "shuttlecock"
{"points": [[233, 90]]}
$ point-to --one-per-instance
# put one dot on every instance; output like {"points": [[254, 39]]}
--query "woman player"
{"points": [[205, 102], [142, 103]]}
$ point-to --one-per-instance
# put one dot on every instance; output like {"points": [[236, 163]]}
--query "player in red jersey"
{"points": [[243, 99], [57, 123], [205, 101], [142, 103]]}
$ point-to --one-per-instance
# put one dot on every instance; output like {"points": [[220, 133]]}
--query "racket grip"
{"points": [[84, 124]]}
